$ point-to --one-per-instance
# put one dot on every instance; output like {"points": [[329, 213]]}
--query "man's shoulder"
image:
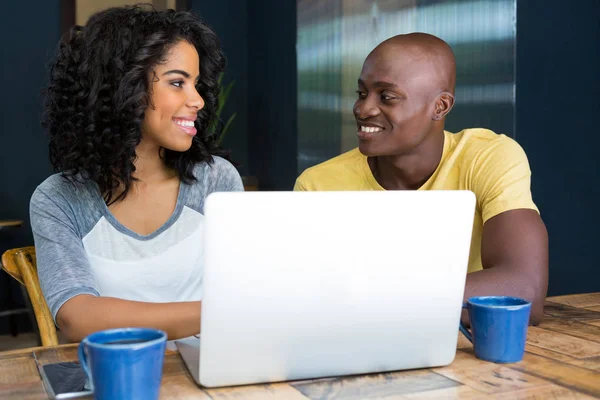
{"points": [[349, 158], [345, 166], [478, 144], [496, 169]]}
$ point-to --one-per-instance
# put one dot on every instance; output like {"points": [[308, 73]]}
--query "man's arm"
{"points": [[514, 254]]}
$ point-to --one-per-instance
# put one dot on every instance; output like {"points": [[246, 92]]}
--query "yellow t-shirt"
{"points": [[492, 166]]}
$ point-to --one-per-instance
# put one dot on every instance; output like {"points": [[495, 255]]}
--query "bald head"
{"points": [[426, 54], [405, 91]]}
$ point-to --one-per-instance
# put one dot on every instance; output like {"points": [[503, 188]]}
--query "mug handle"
{"points": [[464, 329], [84, 364]]}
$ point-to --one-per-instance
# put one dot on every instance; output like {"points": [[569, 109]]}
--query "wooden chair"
{"points": [[21, 264]]}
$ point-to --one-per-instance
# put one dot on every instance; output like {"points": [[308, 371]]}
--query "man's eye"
{"points": [[385, 97], [361, 95]]}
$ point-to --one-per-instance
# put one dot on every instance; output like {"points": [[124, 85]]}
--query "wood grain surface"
{"points": [[562, 361]]}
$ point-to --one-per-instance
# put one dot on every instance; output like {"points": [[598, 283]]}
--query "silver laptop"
{"points": [[317, 284]]}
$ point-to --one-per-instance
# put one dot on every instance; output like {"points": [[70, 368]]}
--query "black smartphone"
{"points": [[64, 380]]}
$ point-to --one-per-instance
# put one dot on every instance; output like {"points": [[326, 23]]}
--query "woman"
{"points": [[118, 231]]}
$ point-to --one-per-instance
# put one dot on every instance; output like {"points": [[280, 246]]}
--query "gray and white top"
{"points": [[82, 249]]}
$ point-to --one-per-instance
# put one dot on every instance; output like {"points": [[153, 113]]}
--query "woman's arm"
{"points": [[67, 281], [85, 314]]}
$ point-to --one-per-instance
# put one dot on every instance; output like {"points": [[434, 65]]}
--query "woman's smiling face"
{"points": [[170, 118]]}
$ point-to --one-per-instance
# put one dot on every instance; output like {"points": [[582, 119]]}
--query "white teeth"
{"points": [[184, 122], [369, 129]]}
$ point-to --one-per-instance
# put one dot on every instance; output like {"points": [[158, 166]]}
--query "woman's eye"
{"points": [[177, 83]]}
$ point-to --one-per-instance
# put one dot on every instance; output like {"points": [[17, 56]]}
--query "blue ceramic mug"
{"points": [[124, 363], [499, 327]]}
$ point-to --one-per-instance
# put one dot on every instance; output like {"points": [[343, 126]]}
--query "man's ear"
{"points": [[443, 105]]}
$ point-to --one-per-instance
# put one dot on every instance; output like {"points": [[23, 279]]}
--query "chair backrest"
{"points": [[21, 264]]}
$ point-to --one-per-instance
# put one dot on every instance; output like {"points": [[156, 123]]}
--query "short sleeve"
{"points": [[62, 264], [501, 178], [227, 178], [299, 186]]}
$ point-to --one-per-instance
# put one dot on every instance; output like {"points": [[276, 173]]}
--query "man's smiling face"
{"points": [[397, 94]]}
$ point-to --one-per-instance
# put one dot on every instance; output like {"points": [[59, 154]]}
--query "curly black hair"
{"points": [[99, 90]]}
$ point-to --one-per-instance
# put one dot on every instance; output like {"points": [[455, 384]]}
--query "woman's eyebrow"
{"points": [[177, 71]]}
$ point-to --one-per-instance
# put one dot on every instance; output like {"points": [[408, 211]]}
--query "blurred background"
{"points": [[526, 68]]}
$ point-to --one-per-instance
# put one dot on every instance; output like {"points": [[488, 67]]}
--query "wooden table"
{"points": [[562, 362]]}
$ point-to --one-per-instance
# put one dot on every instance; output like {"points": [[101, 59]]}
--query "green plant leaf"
{"points": [[226, 127], [223, 96]]}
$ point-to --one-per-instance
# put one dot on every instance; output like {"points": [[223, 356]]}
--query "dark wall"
{"points": [[27, 41], [558, 86], [272, 93], [24, 155], [228, 18], [259, 39]]}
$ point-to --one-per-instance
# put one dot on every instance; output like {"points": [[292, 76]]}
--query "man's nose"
{"points": [[364, 109]]}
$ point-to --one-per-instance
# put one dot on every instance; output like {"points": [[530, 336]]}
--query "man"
{"points": [[405, 92]]}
